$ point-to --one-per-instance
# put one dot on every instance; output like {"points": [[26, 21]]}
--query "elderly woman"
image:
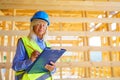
{"points": [[30, 47]]}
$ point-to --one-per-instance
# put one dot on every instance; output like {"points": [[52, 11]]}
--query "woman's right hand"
{"points": [[34, 55]]}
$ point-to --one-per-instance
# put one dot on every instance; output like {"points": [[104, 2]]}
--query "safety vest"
{"points": [[30, 46]]}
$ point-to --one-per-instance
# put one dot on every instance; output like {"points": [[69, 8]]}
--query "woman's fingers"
{"points": [[34, 56], [50, 66]]}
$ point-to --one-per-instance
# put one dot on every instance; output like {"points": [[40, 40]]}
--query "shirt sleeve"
{"points": [[21, 60], [53, 71]]}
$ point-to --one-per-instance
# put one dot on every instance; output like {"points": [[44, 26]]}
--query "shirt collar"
{"points": [[39, 40]]}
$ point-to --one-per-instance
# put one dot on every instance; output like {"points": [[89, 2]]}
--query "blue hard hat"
{"points": [[41, 15]]}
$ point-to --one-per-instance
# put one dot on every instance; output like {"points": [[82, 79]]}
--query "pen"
{"points": [[31, 47]]}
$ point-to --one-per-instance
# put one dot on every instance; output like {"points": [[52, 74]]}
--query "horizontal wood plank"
{"points": [[60, 5], [90, 79], [71, 48], [89, 64], [62, 33], [76, 64], [63, 19]]}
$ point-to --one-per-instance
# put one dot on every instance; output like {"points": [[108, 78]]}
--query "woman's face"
{"points": [[40, 28]]}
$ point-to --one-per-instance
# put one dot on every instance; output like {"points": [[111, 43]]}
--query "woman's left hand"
{"points": [[50, 66]]}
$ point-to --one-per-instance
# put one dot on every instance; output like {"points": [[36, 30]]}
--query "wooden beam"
{"points": [[61, 33], [77, 64], [89, 64], [64, 41], [89, 48], [14, 32], [60, 5], [70, 48], [63, 19], [83, 33], [89, 20], [90, 79]]}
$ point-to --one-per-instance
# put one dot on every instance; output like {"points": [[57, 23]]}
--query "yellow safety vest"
{"points": [[31, 45]]}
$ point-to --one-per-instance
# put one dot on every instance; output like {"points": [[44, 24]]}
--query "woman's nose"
{"points": [[42, 25]]}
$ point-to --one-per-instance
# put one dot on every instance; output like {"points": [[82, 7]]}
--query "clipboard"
{"points": [[44, 58]]}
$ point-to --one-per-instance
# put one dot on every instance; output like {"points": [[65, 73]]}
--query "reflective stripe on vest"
{"points": [[19, 72], [45, 76], [30, 46]]}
